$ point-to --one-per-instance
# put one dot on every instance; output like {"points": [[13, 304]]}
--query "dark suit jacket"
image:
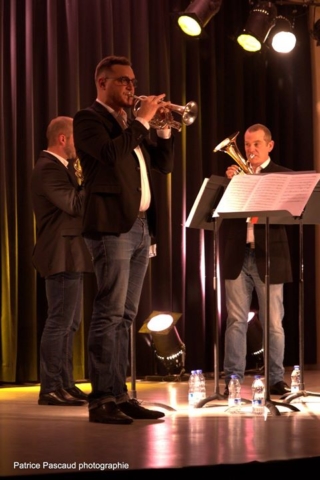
{"points": [[57, 203], [235, 232], [111, 169]]}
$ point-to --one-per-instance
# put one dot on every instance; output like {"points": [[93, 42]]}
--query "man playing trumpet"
{"points": [[119, 219]]}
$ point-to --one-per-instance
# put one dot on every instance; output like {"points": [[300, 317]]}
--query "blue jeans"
{"points": [[120, 264], [64, 297], [238, 302]]}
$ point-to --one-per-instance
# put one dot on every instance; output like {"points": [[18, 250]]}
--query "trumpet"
{"points": [[164, 118], [229, 146]]}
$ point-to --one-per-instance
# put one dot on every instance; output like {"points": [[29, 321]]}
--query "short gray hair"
{"points": [[58, 126]]}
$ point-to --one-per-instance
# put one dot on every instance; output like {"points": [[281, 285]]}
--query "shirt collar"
{"points": [[263, 165], [61, 159], [112, 111]]}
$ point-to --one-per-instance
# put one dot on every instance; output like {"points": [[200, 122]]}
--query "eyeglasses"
{"points": [[124, 81]]}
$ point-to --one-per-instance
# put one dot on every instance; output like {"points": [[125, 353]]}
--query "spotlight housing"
{"points": [[168, 347], [260, 21], [282, 38], [197, 15]]}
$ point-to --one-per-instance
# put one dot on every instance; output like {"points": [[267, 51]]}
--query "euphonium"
{"points": [[229, 146], [163, 118]]}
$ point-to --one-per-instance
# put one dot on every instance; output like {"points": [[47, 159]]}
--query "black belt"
{"points": [[142, 215], [250, 245]]}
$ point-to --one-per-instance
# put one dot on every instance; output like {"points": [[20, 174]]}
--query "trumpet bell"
{"points": [[188, 113], [229, 146]]}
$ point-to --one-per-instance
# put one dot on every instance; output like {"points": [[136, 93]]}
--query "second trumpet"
{"points": [[164, 118]]}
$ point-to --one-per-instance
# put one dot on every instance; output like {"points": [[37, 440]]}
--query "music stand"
{"points": [[264, 217], [310, 216], [286, 195], [201, 217]]}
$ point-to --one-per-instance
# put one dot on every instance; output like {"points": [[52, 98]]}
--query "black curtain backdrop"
{"points": [[48, 53]]}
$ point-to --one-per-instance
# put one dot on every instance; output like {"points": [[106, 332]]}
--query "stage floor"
{"points": [[40, 440]]}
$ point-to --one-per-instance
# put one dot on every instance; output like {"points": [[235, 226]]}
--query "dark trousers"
{"points": [[120, 264], [64, 297]]}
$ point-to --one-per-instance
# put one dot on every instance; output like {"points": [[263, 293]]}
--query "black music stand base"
{"points": [[216, 396], [288, 397], [145, 403], [272, 405]]}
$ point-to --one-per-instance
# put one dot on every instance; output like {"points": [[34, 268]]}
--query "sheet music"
{"points": [[196, 202], [268, 191]]}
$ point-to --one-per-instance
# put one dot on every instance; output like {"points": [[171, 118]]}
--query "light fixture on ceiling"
{"points": [[167, 345], [197, 15], [261, 20], [282, 38]]}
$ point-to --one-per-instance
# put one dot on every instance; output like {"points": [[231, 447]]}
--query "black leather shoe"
{"points": [[135, 410], [280, 388], [61, 398], [109, 413], [75, 392]]}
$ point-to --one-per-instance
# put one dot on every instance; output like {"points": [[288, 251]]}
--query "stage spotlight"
{"points": [[197, 15], [260, 21], [167, 345], [282, 38]]}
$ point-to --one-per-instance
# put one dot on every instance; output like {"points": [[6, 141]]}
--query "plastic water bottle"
{"points": [[234, 398], [197, 387], [258, 396], [203, 390], [191, 400], [295, 379]]}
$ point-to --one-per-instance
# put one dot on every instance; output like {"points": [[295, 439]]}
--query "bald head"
{"points": [[59, 126], [60, 137]]}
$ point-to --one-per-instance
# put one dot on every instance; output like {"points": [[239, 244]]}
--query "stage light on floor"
{"points": [[169, 350]]}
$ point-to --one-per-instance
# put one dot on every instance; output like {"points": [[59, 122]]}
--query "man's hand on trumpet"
{"points": [[149, 106]]}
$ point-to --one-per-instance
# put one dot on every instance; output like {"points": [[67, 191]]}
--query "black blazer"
{"points": [[235, 233], [57, 203], [111, 169]]}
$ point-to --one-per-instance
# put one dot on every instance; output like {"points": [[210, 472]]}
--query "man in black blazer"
{"points": [[117, 156], [60, 256], [244, 270]]}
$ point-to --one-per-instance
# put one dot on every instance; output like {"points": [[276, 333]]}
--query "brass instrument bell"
{"points": [[229, 146]]}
